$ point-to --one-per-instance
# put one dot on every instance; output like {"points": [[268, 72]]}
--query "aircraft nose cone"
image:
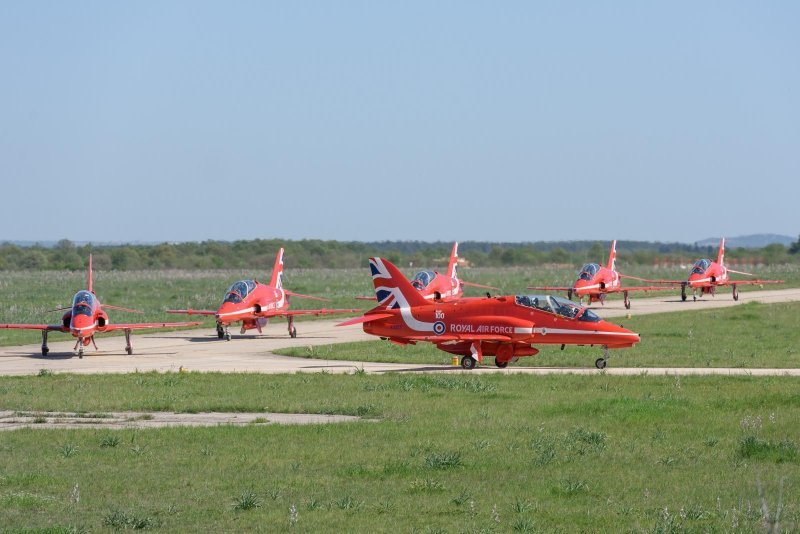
{"points": [[80, 323], [622, 334], [227, 310], [694, 278]]}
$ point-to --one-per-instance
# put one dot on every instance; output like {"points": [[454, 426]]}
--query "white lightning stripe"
{"points": [[587, 287], [237, 312], [545, 331], [81, 329], [450, 293], [523, 330]]}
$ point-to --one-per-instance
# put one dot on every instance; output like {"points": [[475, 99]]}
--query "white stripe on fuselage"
{"points": [[278, 305], [82, 328], [545, 331]]}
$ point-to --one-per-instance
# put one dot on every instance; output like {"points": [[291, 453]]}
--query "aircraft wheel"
{"points": [[694, 298], [293, 332], [227, 336], [627, 302], [569, 294], [501, 365], [735, 293], [129, 350], [600, 363], [45, 350], [468, 362], [220, 333], [80, 355], [683, 297]]}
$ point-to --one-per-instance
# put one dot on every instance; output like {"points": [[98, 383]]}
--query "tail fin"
{"points": [[89, 280], [277, 271], [721, 255], [392, 289], [451, 268], [612, 256]]}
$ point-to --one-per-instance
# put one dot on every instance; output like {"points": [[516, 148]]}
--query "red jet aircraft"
{"points": [[707, 275], [595, 281], [504, 327], [253, 303], [87, 317], [436, 286]]}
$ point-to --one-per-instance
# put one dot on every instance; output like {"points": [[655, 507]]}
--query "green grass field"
{"points": [[748, 335], [450, 453], [26, 297]]}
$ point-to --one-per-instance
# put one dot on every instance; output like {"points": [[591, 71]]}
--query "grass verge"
{"points": [[451, 454]]}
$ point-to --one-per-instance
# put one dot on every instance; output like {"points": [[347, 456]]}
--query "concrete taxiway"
{"points": [[201, 350]]}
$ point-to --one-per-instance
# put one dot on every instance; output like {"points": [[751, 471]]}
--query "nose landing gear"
{"points": [[601, 363]]}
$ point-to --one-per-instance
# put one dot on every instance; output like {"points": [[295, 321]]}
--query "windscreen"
{"points": [[588, 271], [239, 291]]}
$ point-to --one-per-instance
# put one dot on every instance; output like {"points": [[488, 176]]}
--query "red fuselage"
{"points": [[86, 317], [248, 301], [435, 286], [706, 274], [594, 280], [521, 321]]}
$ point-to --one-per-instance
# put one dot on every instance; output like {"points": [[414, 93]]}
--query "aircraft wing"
{"points": [[48, 327], [287, 313], [550, 288], [301, 296], [751, 282], [144, 326], [481, 286], [193, 312], [629, 277], [110, 307], [366, 318], [639, 288]]}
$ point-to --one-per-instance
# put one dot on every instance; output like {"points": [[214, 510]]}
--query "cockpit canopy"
{"points": [[560, 306], [700, 266], [588, 271], [238, 291], [82, 303], [422, 279]]}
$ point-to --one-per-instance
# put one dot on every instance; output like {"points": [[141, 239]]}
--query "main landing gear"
{"points": [[45, 349], [601, 363], [683, 292], [735, 293], [626, 300], [292, 329], [471, 360], [128, 346]]}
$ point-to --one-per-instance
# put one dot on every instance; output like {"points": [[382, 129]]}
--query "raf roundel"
{"points": [[438, 328]]}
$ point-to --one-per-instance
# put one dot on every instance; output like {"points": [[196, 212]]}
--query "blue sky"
{"points": [[513, 121]]}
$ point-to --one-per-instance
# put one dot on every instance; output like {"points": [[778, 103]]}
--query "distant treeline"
{"points": [[312, 253]]}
